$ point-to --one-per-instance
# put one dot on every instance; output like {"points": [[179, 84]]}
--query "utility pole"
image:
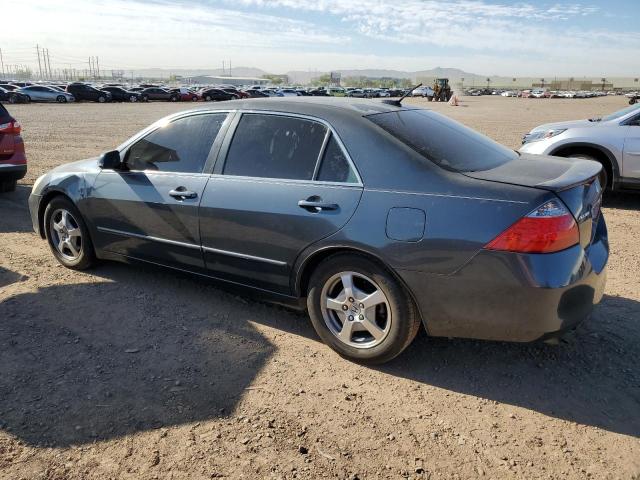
{"points": [[39, 65], [49, 65], [98, 67], [2, 63]]}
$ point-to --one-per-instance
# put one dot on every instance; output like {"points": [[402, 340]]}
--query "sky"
{"points": [[487, 37]]}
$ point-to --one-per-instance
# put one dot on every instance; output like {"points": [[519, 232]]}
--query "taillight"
{"points": [[549, 228], [11, 127]]}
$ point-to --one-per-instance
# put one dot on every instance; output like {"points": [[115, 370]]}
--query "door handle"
{"points": [[315, 204], [182, 193]]}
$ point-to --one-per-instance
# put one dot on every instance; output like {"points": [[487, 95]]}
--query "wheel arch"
{"points": [[607, 158], [310, 262], [46, 199]]}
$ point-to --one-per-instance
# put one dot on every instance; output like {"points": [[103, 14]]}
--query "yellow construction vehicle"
{"points": [[441, 90]]}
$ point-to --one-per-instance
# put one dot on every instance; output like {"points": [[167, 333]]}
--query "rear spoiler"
{"points": [[579, 173]]}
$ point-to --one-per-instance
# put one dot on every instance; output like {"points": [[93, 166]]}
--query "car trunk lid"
{"points": [[573, 180]]}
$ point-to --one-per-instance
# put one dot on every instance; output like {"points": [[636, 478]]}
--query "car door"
{"points": [[149, 209], [281, 183], [631, 152], [37, 94]]}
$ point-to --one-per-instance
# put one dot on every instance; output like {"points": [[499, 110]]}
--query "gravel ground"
{"points": [[139, 373]]}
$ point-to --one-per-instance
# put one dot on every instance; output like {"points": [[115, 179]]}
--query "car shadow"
{"points": [[14, 209], [130, 351], [592, 377]]}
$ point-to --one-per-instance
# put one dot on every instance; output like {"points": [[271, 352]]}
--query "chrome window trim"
{"points": [[157, 173], [304, 117], [244, 256], [285, 181]]}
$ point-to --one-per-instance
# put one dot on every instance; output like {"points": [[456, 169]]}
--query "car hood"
{"points": [[81, 166], [561, 125], [541, 171]]}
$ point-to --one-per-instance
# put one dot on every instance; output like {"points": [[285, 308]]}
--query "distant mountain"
{"points": [[454, 74]]}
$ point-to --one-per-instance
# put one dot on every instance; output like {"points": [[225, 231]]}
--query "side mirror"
{"points": [[110, 160]]}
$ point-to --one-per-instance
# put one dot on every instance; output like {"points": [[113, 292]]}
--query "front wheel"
{"points": [[102, 99], [67, 235], [632, 101], [360, 310], [133, 99], [61, 99]]}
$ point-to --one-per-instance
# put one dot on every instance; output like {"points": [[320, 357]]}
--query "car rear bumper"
{"points": [[10, 171], [513, 297]]}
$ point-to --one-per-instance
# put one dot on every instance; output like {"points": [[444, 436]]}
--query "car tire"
{"points": [[145, 98], [380, 316], [8, 185], [604, 175], [632, 101], [67, 234], [133, 99], [173, 99], [194, 99], [61, 99], [13, 99], [102, 99], [207, 98]]}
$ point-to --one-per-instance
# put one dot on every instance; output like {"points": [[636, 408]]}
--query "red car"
{"points": [[186, 95], [13, 161]]}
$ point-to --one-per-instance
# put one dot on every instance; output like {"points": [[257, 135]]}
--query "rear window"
{"points": [[446, 143]]}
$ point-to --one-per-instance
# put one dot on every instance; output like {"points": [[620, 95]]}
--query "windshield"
{"points": [[621, 113], [445, 142]]}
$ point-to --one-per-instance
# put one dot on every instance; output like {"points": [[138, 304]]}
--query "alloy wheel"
{"points": [[65, 234], [356, 310]]}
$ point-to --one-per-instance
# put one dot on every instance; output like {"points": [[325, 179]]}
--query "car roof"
{"points": [[321, 107]]}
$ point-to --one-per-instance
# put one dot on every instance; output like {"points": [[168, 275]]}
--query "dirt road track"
{"points": [[138, 373]]}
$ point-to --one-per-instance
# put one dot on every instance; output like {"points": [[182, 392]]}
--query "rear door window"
{"points": [[274, 146], [443, 141], [335, 167], [181, 146]]}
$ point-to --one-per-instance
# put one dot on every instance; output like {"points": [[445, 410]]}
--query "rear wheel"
{"points": [[13, 99], [632, 101], [360, 310], [8, 185], [67, 234], [173, 98], [207, 98], [133, 99]]}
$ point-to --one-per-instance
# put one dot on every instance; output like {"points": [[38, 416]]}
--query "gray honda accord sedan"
{"points": [[377, 217]]}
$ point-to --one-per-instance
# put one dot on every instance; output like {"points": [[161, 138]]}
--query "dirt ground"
{"points": [[138, 373]]}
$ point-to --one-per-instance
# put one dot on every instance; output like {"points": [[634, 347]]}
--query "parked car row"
{"points": [[541, 93]]}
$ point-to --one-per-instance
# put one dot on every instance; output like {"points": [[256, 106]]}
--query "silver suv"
{"points": [[613, 140]]}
